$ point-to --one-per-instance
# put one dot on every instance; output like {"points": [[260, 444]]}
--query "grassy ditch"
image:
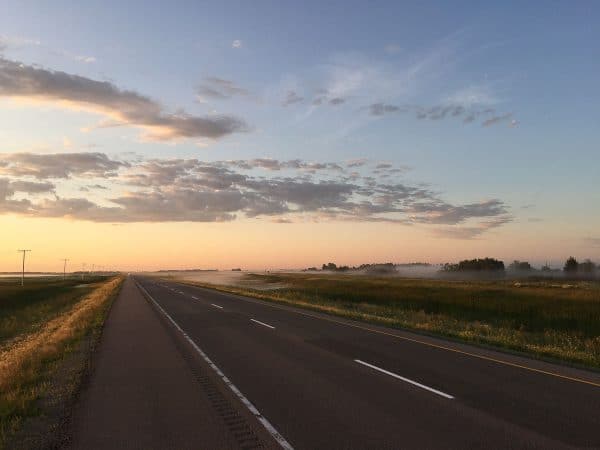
{"points": [[52, 317], [545, 319]]}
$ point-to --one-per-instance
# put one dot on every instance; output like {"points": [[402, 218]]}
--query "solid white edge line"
{"points": [[216, 306], [263, 324], [262, 419], [407, 380]]}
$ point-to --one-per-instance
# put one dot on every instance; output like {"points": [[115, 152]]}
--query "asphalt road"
{"points": [[311, 381]]}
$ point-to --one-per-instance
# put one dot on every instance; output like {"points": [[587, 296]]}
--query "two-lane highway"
{"points": [[324, 382]]}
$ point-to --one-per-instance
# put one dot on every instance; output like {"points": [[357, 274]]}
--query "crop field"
{"points": [[544, 318]]}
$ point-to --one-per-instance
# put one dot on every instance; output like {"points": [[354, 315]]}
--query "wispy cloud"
{"points": [[291, 98], [219, 89], [503, 118], [122, 107], [18, 42], [471, 232], [467, 114]]}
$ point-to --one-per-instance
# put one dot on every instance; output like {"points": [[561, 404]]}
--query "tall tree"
{"points": [[571, 265]]}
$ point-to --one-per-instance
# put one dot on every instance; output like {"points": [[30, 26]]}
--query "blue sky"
{"points": [[476, 101]]}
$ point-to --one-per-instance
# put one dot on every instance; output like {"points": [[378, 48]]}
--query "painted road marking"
{"points": [[407, 380], [263, 324], [216, 306], [194, 297], [262, 419], [404, 338]]}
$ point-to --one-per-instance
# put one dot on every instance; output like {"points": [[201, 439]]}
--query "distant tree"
{"points": [[329, 266], [571, 265], [519, 266], [475, 265], [449, 267], [587, 267], [546, 268]]}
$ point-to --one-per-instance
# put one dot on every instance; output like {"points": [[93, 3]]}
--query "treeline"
{"points": [[571, 267], [475, 265], [484, 266], [368, 268]]}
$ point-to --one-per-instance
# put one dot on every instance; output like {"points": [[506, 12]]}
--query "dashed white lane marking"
{"points": [[194, 297], [262, 419], [216, 306], [263, 324], [407, 380]]}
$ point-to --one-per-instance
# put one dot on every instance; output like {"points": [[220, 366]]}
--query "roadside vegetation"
{"points": [[548, 318], [40, 324]]}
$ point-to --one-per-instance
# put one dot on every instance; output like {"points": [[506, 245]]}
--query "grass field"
{"points": [[549, 319], [24, 308], [39, 325]]}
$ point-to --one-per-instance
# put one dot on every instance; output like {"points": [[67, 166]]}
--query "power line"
{"points": [[64, 260], [23, 273]]}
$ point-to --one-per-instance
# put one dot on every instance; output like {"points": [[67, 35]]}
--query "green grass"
{"points": [[41, 324], [22, 309], [546, 319]]}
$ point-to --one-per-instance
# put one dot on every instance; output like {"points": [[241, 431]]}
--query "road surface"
{"points": [[299, 379]]}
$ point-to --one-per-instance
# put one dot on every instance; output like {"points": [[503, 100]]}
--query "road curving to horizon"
{"points": [[305, 380]]}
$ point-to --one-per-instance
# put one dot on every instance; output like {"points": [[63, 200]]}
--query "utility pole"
{"points": [[23, 273], [64, 260]]}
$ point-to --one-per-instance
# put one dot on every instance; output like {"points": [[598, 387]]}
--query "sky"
{"points": [[264, 135]]}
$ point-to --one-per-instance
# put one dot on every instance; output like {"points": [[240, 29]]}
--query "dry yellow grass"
{"points": [[22, 365]]}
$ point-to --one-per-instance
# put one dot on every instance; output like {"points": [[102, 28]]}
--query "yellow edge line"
{"points": [[429, 344]]}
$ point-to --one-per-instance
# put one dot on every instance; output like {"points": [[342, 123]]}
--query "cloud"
{"points": [[237, 43], [470, 232], [379, 109], [122, 107], [86, 59], [445, 213], [17, 42], [325, 97], [60, 165], [274, 164], [498, 119], [8, 188], [32, 187], [467, 113], [477, 95], [160, 190], [291, 98], [219, 89], [356, 162]]}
